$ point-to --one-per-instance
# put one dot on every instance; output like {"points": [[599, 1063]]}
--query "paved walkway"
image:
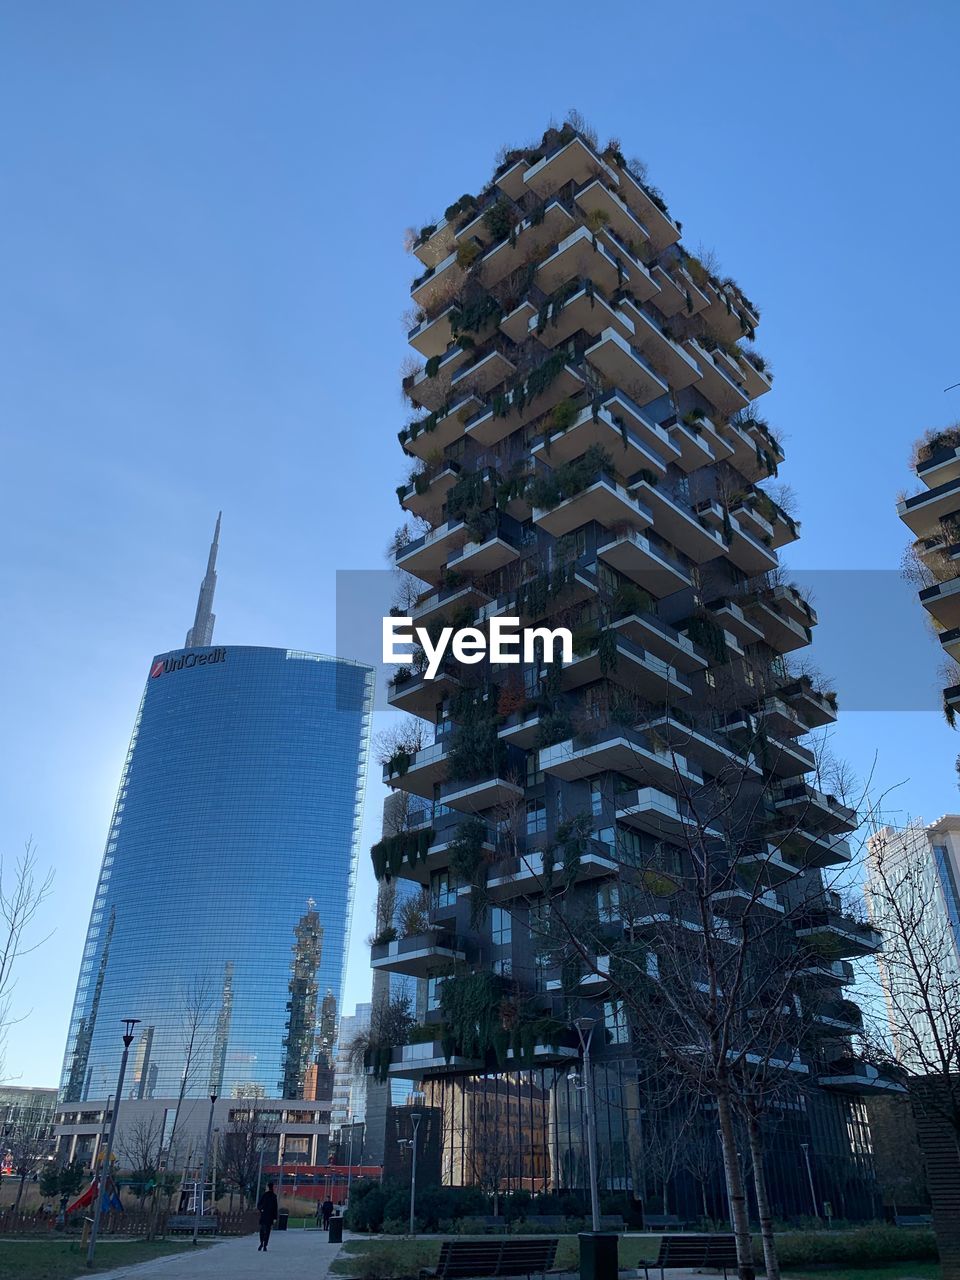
{"points": [[291, 1254]]}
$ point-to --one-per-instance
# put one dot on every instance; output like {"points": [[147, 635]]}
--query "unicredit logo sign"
{"points": [[164, 665]]}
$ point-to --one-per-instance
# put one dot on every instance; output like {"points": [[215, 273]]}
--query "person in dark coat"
{"points": [[269, 1210], [326, 1210]]}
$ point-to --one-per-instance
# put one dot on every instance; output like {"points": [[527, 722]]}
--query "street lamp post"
{"points": [[805, 1148], [129, 1024], [261, 1143], [349, 1168], [415, 1118], [198, 1207], [585, 1032]]}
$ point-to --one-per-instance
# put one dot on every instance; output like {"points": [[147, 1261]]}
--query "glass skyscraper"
{"points": [[222, 911]]}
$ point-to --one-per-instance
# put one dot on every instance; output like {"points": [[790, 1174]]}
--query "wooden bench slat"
{"points": [[460, 1259]]}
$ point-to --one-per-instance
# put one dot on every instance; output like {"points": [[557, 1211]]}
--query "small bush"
{"points": [[871, 1246], [386, 1260], [396, 1226]]}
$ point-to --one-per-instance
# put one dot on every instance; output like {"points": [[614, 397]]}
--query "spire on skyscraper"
{"points": [[201, 633]]}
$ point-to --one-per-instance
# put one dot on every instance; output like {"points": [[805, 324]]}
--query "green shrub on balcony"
{"points": [[535, 384], [562, 418], [535, 597], [469, 865], [934, 441], [499, 219], [471, 317], [475, 751], [572, 478], [467, 494], [399, 762], [466, 204], [467, 254], [549, 312], [708, 634], [554, 726], [630, 599], [470, 1008], [573, 837], [389, 854]]}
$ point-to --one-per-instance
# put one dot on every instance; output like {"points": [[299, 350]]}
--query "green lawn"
{"points": [[378, 1259], [61, 1259], [389, 1258], [898, 1271]]}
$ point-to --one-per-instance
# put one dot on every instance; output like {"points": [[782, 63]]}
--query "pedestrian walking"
{"points": [[269, 1210], [327, 1210]]}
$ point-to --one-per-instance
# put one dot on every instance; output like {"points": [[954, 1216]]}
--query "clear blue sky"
{"points": [[202, 283]]}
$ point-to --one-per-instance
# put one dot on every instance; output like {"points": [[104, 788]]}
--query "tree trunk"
{"points": [[16, 1207], [703, 1200], [735, 1189], [770, 1260]]}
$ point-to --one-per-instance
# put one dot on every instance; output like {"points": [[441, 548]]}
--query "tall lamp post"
{"points": [[261, 1143], [349, 1167], [128, 1025], [805, 1148], [198, 1206], [585, 1032], [415, 1118]]}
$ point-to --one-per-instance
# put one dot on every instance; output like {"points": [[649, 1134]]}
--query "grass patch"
{"points": [[63, 1259], [385, 1259], [877, 1246], [898, 1271], [376, 1259], [868, 1253]]}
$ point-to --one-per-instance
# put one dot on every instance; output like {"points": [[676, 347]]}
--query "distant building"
{"points": [[921, 859], [349, 1085], [21, 1106], [222, 911]]}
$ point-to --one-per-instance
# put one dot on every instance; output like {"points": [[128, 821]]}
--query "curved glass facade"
{"points": [[222, 912]]}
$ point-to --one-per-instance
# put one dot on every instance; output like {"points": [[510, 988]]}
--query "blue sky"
{"points": [[203, 278]]}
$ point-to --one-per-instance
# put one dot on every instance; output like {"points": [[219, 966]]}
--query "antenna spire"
{"points": [[201, 633]]}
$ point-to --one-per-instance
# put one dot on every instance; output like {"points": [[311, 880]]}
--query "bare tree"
{"points": [[196, 1037], [712, 961], [141, 1148], [490, 1144], [917, 972], [242, 1149], [27, 1147], [23, 891]]}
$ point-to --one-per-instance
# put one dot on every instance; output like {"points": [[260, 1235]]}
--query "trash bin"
{"points": [[282, 1219], [598, 1255], [335, 1235]]}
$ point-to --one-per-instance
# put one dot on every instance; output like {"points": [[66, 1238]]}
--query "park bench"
{"points": [[718, 1251], [506, 1257], [661, 1222], [185, 1222], [484, 1222], [608, 1221], [913, 1220]]}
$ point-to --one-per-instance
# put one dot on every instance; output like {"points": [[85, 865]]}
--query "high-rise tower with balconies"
{"points": [[933, 517], [586, 453]]}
